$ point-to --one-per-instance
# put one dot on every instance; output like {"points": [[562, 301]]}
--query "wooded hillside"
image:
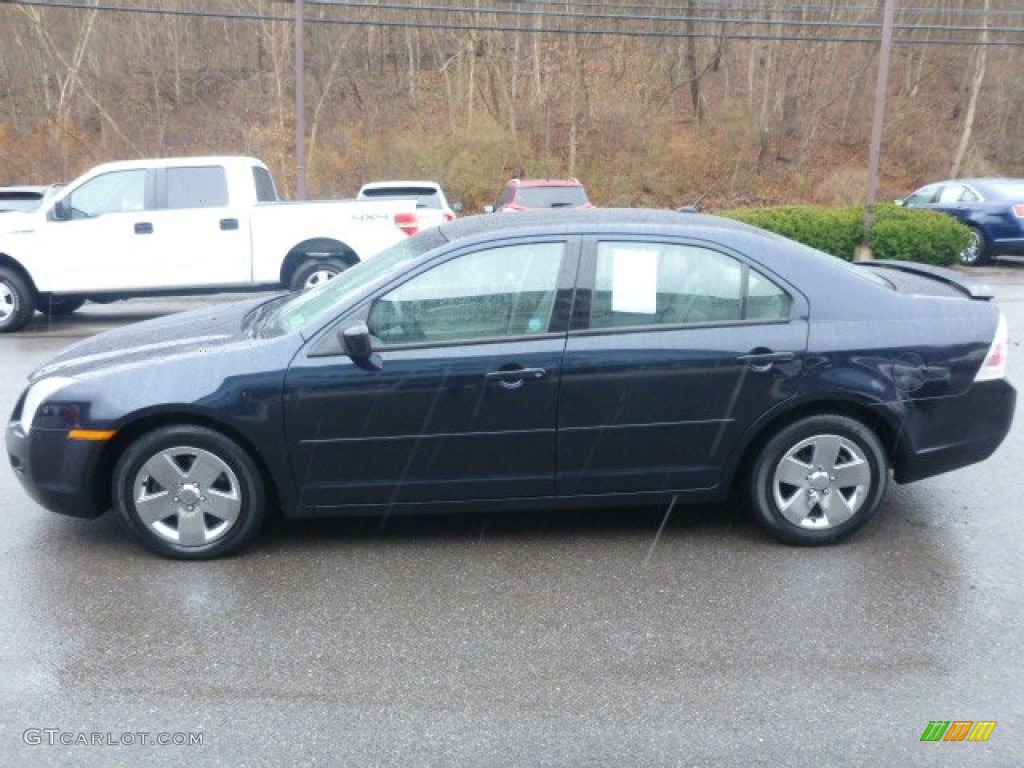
{"points": [[649, 103]]}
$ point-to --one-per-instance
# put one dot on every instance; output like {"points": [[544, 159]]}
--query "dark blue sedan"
{"points": [[992, 208], [573, 358]]}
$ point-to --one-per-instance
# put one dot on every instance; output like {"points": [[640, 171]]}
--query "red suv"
{"points": [[523, 194]]}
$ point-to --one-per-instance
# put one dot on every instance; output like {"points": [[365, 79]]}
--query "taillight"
{"points": [[1018, 211], [407, 223], [994, 366], [449, 217]]}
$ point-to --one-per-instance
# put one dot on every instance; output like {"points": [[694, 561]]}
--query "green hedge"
{"points": [[899, 233]]}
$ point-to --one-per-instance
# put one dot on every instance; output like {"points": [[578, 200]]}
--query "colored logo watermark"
{"points": [[958, 730]]}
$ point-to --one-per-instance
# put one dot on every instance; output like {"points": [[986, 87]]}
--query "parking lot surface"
{"points": [[580, 638]]}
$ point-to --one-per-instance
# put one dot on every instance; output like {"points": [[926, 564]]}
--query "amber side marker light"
{"points": [[91, 434]]}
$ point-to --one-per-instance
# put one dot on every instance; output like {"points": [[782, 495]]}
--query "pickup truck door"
{"points": [[201, 238], [89, 240]]}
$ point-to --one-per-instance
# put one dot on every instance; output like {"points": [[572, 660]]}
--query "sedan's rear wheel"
{"points": [[189, 492], [818, 480]]}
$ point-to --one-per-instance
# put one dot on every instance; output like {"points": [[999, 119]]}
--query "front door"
{"points": [[463, 403], [678, 350]]}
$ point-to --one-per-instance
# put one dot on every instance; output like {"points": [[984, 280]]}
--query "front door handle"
{"points": [[513, 378], [143, 228], [762, 361], [229, 223]]}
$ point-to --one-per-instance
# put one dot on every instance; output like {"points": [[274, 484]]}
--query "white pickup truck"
{"points": [[181, 226]]}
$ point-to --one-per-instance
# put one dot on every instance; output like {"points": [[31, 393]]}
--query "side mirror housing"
{"points": [[60, 211], [357, 344]]}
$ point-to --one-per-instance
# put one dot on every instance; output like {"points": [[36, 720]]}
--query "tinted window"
{"points": [[199, 187], [113, 192], [639, 284], [425, 197], [551, 197], [500, 292], [266, 192]]}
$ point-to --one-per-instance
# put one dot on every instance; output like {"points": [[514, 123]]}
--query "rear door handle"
{"points": [[513, 378], [229, 223], [143, 228]]}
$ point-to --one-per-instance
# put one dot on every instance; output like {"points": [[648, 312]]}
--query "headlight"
{"points": [[37, 394]]}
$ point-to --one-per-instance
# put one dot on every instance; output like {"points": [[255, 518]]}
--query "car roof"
{"points": [[544, 183], [581, 220], [404, 183]]}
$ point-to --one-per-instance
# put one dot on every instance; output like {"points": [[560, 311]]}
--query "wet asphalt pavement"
{"points": [[535, 639]]}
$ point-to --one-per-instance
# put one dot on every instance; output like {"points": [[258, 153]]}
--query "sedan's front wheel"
{"points": [[190, 493], [818, 480]]}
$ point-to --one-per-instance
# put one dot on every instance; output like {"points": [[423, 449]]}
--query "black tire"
{"points": [[818, 480], [59, 306], [314, 272], [190, 493], [17, 300], [978, 252]]}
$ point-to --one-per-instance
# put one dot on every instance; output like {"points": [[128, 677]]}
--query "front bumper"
{"points": [[947, 433], [57, 472]]}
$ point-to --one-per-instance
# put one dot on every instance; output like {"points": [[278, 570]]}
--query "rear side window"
{"points": [[644, 284], [266, 192], [196, 187]]}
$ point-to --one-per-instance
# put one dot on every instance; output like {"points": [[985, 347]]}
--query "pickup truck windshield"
{"points": [[304, 311]]}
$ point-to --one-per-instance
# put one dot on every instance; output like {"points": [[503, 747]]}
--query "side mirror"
{"points": [[488, 209], [358, 346], [61, 211]]}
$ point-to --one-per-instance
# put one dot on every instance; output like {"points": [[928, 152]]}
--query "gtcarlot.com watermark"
{"points": [[52, 737]]}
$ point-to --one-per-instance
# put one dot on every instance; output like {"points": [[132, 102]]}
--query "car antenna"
{"points": [[694, 207]]}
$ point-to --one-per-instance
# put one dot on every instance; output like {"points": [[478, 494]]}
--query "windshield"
{"points": [[551, 197], [426, 197], [304, 311]]}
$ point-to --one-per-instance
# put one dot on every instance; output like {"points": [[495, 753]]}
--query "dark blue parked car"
{"points": [[992, 208], [564, 358]]}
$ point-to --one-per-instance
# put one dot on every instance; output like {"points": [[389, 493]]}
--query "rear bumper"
{"points": [[57, 472], [943, 434]]}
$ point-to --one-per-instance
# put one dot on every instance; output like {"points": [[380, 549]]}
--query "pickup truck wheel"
{"points": [[59, 306], [310, 274], [16, 301], [190, 493]]}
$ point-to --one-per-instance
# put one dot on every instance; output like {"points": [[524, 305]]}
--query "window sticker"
{"points": [[635, 281]]}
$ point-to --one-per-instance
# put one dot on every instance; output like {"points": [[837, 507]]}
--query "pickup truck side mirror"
{"points": [[61, 211], [358, 346]]}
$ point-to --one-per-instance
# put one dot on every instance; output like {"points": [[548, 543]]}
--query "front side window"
{"points": [[115, 192], [500, 292], [199, 187], [924, 196], [646, 284]]}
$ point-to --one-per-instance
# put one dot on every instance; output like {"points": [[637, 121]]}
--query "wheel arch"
{"points": [[11, 263], [129, 433], [881, 421], [315, 247]]}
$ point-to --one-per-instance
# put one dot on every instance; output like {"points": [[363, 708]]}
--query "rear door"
{"points": [[201, 235], [676, 349]]}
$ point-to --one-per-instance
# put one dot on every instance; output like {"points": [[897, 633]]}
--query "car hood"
{"points": [[200, 331]]}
